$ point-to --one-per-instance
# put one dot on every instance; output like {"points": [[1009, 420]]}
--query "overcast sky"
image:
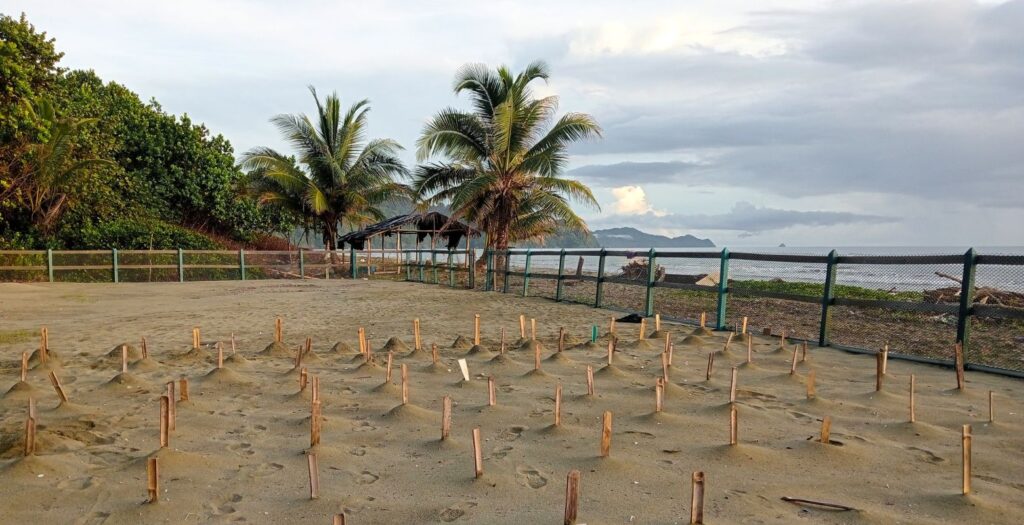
{"points": [[752, 123]]}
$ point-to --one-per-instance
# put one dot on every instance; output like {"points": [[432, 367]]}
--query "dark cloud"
{"points": [[623, 173]]}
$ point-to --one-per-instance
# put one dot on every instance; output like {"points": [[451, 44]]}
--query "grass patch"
{"points": [[9, 337], [817, 289]]}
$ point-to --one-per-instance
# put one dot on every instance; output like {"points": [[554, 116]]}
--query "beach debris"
{"points": [[465, 369], [446, 417], [55, 381], [606, 434], [478, 458], [314, 477], [823, 504], [697, 498], [572, 497], [152, 480], [636, 270]]}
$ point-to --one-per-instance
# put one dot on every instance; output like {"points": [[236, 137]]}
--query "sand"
{"points": [[238, 452]]}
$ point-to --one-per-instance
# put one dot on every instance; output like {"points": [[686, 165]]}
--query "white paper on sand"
{"points": [[465, 369]]}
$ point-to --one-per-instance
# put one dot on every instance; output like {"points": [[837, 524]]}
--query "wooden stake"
{"points": [[659, 394], [196, 339], [476, 329], [826, 429], [405, 384], [664, 366], [703, 319], [782, 339], [711, 365], [183, 388], [728, 341], [572, 497], [172, 406], [362, 341], [165, 422], [732, 386], [491, 397], [303, 379], [153, 480], [804, 355], [750, 350], [606, 434], [314, 421], [810, 384], [744, 330], [314, 477], [733, 424], [991, 407], [643, 328], [30, 436], [697, 498], [657, 322], [536, 356], [958, 356], [416, 334], [478, 458], [44, 345], [387, 370], [611, 326], [792, 365], [339, 519], [878, 372], [446, 417], [558, 404], [220, 356], [234, 347], [885, 359], [501, 349], [668, 341], [433, 352], [57, 386], [145, 349], [611, 349], [32, 408], [533, 329], [561, 338], [24, 366], [308, 347], [965, 441], [522, 326], [590, 380], [671, 348], [278, 331], [913, 402]]}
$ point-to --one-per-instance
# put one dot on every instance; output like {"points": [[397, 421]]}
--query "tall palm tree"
{"points": [[503, 164], [337, 176]]}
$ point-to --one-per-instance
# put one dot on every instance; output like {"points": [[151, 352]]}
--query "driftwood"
{"points": [[982, 295], [832, 506]]}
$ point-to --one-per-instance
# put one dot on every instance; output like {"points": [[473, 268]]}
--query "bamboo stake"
{"points": [[810, 384], [220, 356], [362, 342], [536, 356], [183, 388], [339, 519], [711, 365], [733, 425], [611, 327], [668, 341], [826, 429], [314, 421], [659, 394], [728, 341], [671, 349], [782, 339], [558, 404], [478, 458], [606, 434], [750, 350], [44, 345], [446, 417], [278, 330], [32, 408], [303, 379], [145, 349], [572, 497], [744, 331], [792, 366], [804, 355], [314, 477], [234, 347], [643, 328], [24, 366], [416, 334], [165, 422], [885, 359], [533, 329], [913, 403], [590, 380], [703, 319], [491, 397], [732, 386], [30, 436], [697, 499], [959, 362], [561, 338], [501, 349], [172, 406], [878, 372], [965, 443], [664, 366], [196, 339], [991, 407], [476, 329], [433, 352], [522, 326], [153, 480], [387, 370], [405, 384], [308, 347], [58, 387], [611, 349], [657, 322]]}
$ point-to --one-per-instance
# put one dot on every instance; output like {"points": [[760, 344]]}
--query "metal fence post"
{"points": [[113, 265], [723, 291], [181, 265], [526, 274], [451, 271], [651, 275], [963, 322], [353, 262], [559, 287], [489, 272], [302, 263], [49, 264], [419, 263], [433, 264], [508, 266], [599, 291], [828, 297], [472, 270], [241, 264]]}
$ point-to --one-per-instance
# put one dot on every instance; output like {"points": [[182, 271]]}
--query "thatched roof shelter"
{"points": [[433, 224]]}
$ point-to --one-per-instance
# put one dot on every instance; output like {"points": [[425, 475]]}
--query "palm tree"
{"points": [[337, 175], [503, 163]]}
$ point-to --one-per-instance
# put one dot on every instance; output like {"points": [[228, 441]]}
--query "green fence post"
{"points": [[302, 263], [49, 263], [241, 264], [472, 270], [963, 322], [181, 265], [526, 274], [419, 263], [723, 291], [433, 264], [353, 262], [508, 266], [559, 289], [828, 297], [489, 273], [113, 266], [451, 271], [651, 275], [599, 292]]}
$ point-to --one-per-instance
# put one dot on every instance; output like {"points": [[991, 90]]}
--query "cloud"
{"points": [[632, 200], [635, 172]]}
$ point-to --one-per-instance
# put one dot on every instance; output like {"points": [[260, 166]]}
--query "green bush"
{"points": [[141, 234]]}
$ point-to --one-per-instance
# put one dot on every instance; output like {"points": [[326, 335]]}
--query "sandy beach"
{"points": [[238, 450]]}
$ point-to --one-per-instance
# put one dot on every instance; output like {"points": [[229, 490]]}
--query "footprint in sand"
{"points": [[242, 448], [366, 477], [928, 455], [357, 451], [531, 477], [363, 426], [512, 433], [456, 511], [501, 452]]}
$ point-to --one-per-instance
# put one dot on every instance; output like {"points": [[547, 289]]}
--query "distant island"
{"points": [[624, 237]]}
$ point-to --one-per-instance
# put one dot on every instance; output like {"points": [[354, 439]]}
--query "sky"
{"points": [[754, 123]]}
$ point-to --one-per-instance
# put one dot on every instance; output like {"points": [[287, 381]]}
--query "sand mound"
{"points": [[658, 335], [559, 357], [145, 365], [395, 345], [52, 358], [239, 360], [530, 345], [412, 412], [503, 360], [133, 352], [478, 349], [194, 355], [590, 345], [342, 347], [693, 340], [225, 376], [125, 380], [702, 332], [435, 368], [20, 391], [277, 349], [461, 343]]}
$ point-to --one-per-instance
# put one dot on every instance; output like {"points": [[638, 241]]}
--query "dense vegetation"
{"points": [[86, 163]]}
